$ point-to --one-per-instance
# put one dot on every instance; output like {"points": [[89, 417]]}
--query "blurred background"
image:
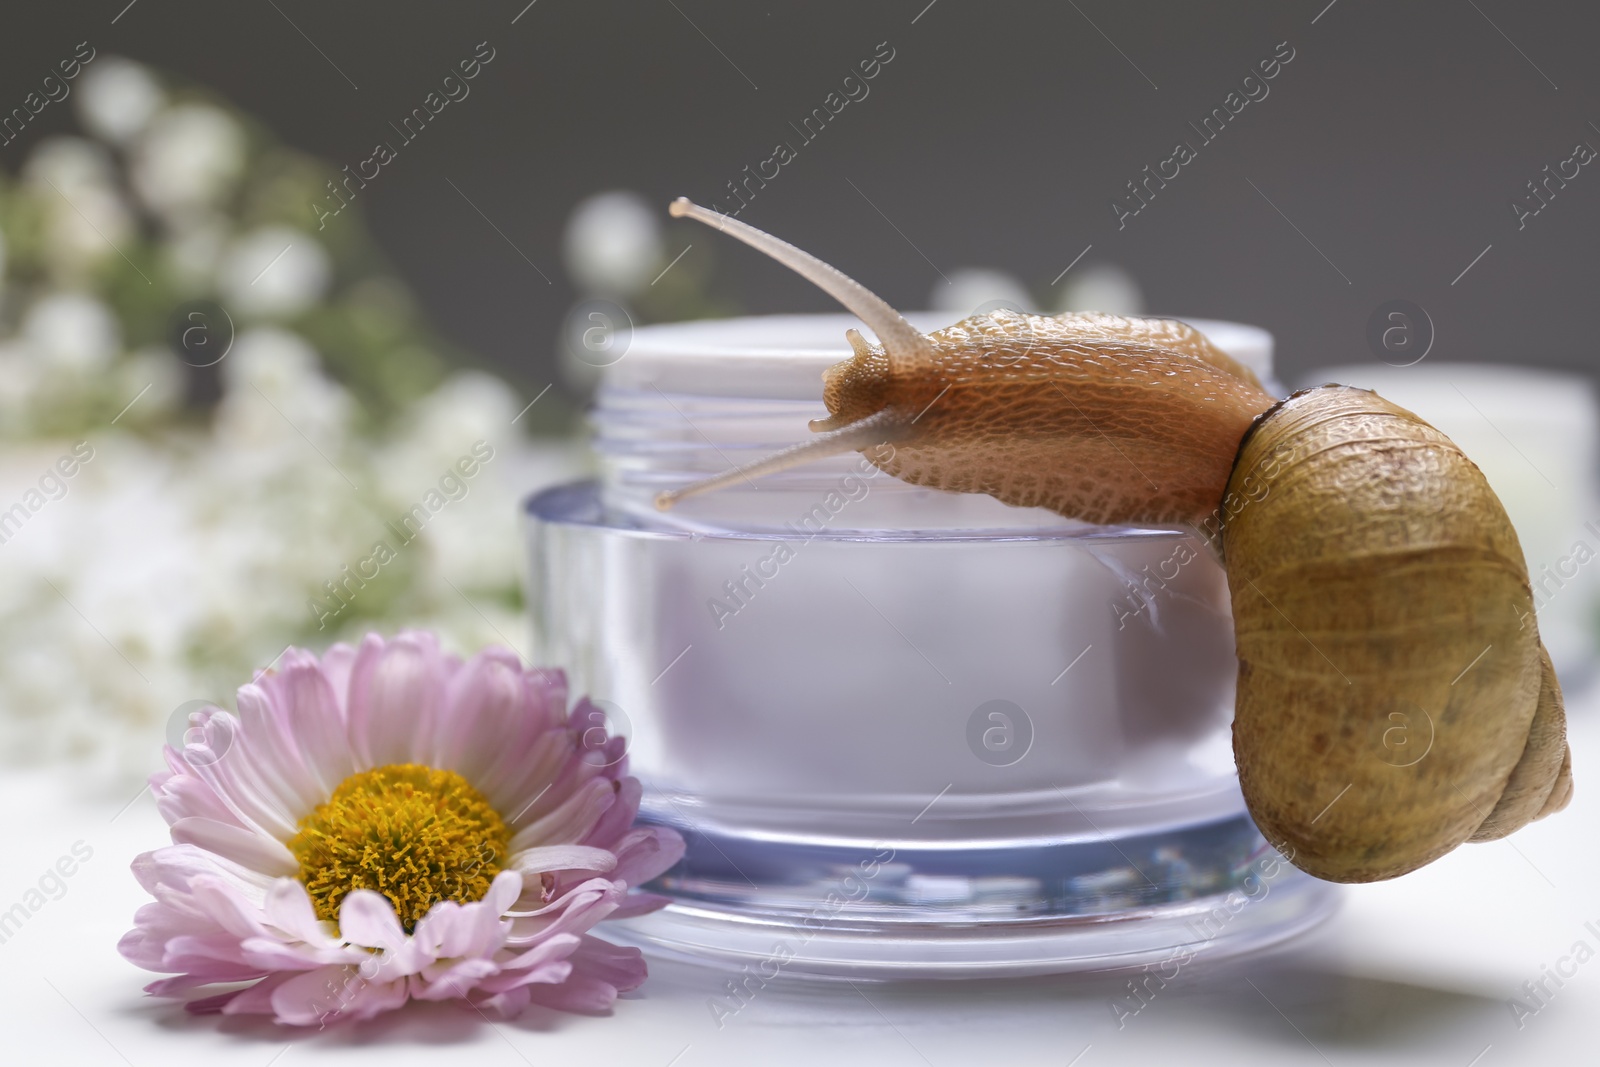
{"points": [[279, 266], [998, 136]]}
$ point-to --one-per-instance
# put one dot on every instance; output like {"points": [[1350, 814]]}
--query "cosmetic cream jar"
{"points": [[906, 733]]}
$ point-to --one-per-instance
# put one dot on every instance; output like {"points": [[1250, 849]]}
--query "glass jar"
{"points": [[904, 732]]}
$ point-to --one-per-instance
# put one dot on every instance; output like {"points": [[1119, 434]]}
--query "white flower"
{"points": [[468, 406], [68, 164], [73, 331], [19, 377], [275, 271], [155, 376], [613, 243], [970, 288], [117, 98], [194, 248], [186, 158], [1104, 288], [85, 218], [193, 546], [275, 392]]}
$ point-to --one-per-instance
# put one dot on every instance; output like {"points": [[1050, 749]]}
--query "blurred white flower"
{"points": [[155, 376], [117, 98], [95, 226], [73, 332], [467, 406], [276, 271], [1102, 287], [69, 164], [19, 379], [196, 553], [186, 158], [85, 217], [194, 248], [194, 549], [275, 394], [613, 243], [272, 360], [970, 288]]}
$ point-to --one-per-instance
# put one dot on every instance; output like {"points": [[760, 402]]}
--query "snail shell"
{"points": [[1394, 698]]}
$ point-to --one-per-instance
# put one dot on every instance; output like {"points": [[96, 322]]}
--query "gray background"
{"points": [[1395, 142]]}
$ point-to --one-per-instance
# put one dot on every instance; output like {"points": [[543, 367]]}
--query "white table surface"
{"points": [[1415, 971]]}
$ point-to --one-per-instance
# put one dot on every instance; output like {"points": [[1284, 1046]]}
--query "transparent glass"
{"points": [[905, 732]]}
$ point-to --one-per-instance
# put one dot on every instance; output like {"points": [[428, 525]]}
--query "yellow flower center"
{"points": [[415, 834]]}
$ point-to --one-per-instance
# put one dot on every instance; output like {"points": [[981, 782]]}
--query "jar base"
{"points": [[898, 911]]}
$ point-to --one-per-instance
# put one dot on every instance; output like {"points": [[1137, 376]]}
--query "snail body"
{"points": [[1394, 699]]}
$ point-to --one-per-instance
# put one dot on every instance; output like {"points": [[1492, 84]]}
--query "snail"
{"points": [[1379, 592]]}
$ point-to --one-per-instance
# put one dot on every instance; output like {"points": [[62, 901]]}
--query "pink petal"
{"points": [[375, 998], [599, 971], [529, 790], [183, 796], [213, 951], [488, 717], [295, 939], [171, 987], [275, 753], [636, 904], [176, 867], [542, 858], [507, 1005], [227, 905], [456, 980], [273, 954], [605, 753], [308, 712], [208, 737], [288, 907], [141, 950], [516, 970], [320, 996], [244, 847], [154, 925], [213, 1004], [403, 698], [337, 662], [575, 913], [484, 929], [234, 771], [516, 774], [367, 918], [618, 818], [571, 821], [577, 994], [357, 701], [451, 930], [621, 965], [583, 891], [646, 853], [257, 1000]]}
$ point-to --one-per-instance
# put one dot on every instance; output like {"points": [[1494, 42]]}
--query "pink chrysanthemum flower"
{"points": [[389, 823]]}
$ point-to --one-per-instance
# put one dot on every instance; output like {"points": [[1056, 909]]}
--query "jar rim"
{"points": [[782, 357]]}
